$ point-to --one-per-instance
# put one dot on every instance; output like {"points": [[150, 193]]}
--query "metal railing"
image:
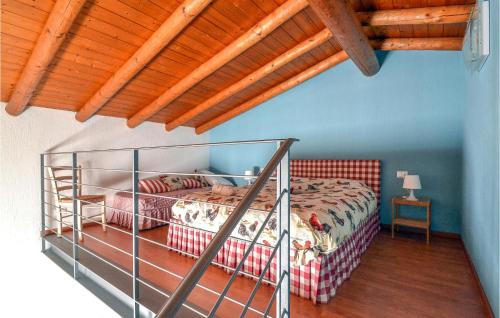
{"points": [[281, 251], [281, 159]]}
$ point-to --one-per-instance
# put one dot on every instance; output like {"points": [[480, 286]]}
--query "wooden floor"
{"points": [[401, 277]]}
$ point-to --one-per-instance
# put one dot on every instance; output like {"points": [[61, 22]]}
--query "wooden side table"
{"points": [[424, 202]]}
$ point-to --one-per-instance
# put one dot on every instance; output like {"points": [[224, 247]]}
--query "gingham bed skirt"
{"points": [[318, 280]]}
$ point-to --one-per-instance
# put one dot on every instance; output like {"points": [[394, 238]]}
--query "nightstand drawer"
{"points": [[410, 222]]}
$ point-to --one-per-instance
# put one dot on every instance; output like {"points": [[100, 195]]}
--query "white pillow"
{"points": [[215, 179]]}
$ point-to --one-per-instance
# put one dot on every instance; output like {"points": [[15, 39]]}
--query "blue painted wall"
{"points": [[480, 220], [410, 115]]}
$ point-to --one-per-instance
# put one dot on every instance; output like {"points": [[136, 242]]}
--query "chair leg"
{"points": [[59, 223], [80, 223], [103, 216]]}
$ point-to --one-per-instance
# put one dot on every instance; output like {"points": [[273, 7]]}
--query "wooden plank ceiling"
{"points": [[199, 73]]}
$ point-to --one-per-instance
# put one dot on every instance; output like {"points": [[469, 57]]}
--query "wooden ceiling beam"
{"points": [[248, 39], [173, 25], [60, 19], [298, 50], [415, 16], [339, 17], [454, 43], [437, 44], [446, 14], [314, 70]]}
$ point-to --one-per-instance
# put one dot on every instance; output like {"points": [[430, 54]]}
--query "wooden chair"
{"points": [[63, 198]]}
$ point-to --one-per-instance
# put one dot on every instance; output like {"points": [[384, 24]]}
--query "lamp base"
{"points": [[412, 196]]}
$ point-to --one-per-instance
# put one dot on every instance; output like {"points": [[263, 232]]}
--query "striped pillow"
{"points": [[153, 186], [174, 183], [202, 180], [190, 183]]}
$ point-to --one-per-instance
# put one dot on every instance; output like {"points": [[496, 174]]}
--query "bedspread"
{"points": [[324, 213]]}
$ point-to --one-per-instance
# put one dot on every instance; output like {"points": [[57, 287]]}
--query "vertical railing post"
{"points": [[135, 231], [283, 254], [76, 228], [42, 200]]}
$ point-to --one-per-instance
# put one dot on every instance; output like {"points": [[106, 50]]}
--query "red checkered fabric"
{"points": [[318, 280], [189, 183], [337, 267], [367, 171], [153, 186]]}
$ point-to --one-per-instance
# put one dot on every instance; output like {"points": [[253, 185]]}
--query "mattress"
{"points": [[149, 206], [325, 212]]}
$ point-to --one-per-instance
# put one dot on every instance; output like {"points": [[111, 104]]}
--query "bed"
{"points": [[327, 242], [154, 208]]}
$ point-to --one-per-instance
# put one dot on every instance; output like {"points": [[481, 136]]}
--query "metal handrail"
{"points": [[68, 168], [174, 173], [164, 295], [229, 268], [156, 243], [150, 217], [221, 295], [245, 256], [152, 195], [208, 144], [279, 159], [121, 270], [91, 185], [195, 174], [195, 201], [234, 301], [172, 306]]}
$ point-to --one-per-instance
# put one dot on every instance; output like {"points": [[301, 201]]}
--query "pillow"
{"points": [[173, 182], [191, 183], [153, 186], [201, 179], [212, 180]]}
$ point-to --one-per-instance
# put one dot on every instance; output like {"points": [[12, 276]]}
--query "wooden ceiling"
{"points": [[198, 63]]}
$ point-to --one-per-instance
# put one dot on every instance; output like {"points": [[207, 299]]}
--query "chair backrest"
{"points": [[61, 181]]}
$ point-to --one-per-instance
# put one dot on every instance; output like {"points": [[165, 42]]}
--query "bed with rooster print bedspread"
{"points": [[325, 212]]}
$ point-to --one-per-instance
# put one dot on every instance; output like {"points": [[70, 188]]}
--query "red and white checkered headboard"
{"points": [[367, 171]]}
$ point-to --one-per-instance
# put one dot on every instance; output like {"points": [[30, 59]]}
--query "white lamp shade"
{"points": [[412, 182], [248, 173]]}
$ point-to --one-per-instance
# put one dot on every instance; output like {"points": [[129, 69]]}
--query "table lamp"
{"points": [[412, 182], [249, 173]]}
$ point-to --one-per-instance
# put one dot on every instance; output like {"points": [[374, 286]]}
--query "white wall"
{"points": [[29, 274]]}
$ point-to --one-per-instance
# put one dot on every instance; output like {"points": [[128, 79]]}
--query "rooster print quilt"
{"points": [[324, 213]]}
